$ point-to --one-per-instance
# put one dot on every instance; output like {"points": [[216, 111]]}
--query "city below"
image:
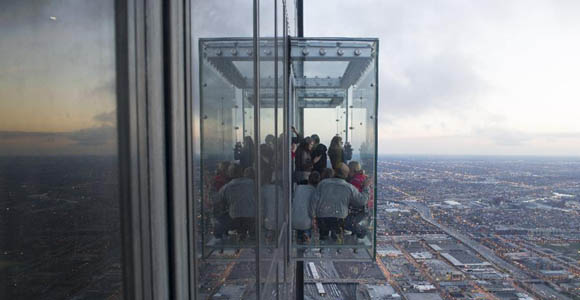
{"points": [[447, 228], [457, 228]]}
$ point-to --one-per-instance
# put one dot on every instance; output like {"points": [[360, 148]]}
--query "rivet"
{"points": [[218, 52], [322, 51], [357, 52], [340, 52], [249, 51], [234, 52], [305, 51]]}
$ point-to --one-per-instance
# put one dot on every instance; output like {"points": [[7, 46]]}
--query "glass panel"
{"points": [[271, 189], [226, 204], [336, 100], [227, 150], [59, 202]]}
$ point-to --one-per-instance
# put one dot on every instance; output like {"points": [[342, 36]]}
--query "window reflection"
{"points": [[59, 205]]}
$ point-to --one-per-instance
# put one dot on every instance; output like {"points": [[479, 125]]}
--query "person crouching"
{"points": [[302, 214], [331, 205]]}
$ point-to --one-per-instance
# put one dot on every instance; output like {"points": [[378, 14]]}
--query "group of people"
{"points": [[331, 199], [234, 201]]}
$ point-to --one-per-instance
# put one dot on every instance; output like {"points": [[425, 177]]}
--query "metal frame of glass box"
{"points": [[330, 73]]}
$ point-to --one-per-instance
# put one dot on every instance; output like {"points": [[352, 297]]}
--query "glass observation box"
{"points": [[288, 147]]}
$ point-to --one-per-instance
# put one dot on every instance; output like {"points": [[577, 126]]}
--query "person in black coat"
{"points": [[319, 153], [303, 163], [247, 153]]}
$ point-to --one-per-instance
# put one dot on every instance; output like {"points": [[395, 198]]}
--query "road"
{"points": [[485, 252]]}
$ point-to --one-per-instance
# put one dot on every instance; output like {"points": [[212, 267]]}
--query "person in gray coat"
{"points": [[238, 196], [302, 215], [331, 202]]}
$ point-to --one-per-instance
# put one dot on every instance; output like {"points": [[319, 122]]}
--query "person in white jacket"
{"points": [[302, 214]]}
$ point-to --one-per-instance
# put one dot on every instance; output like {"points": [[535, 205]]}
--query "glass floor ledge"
{"points": [[348, 241]]}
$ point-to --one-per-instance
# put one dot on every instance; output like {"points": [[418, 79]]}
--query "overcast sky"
{"points": [[456, 77], [468, 77]]}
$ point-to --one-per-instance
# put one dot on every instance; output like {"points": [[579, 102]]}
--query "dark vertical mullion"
{"points": [[156, 150], [127, 141], [141, 149], [256, 54], [300, 18], [143, 200], [175, 116]]}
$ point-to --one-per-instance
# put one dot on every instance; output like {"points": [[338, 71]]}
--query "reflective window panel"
{"points": [[59, 203], [239, 208]]}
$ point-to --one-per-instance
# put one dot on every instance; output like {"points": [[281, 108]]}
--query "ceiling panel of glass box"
{"points": [[326, 68]]}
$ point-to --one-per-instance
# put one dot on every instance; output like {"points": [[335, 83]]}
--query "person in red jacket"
{"points": [[358, 217], [357, 177]]}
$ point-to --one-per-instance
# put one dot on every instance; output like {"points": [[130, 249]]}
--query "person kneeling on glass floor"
{"points": [[302, 214], [238, 196], [332, 200]]}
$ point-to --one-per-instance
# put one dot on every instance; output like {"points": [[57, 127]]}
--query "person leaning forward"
{"points": [[332, 199]]}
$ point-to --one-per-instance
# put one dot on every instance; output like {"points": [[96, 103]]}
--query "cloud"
{"points": [[109, 118], [97, 140], [503, 136], [103, 90], [93, 136], [444, 82]]}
